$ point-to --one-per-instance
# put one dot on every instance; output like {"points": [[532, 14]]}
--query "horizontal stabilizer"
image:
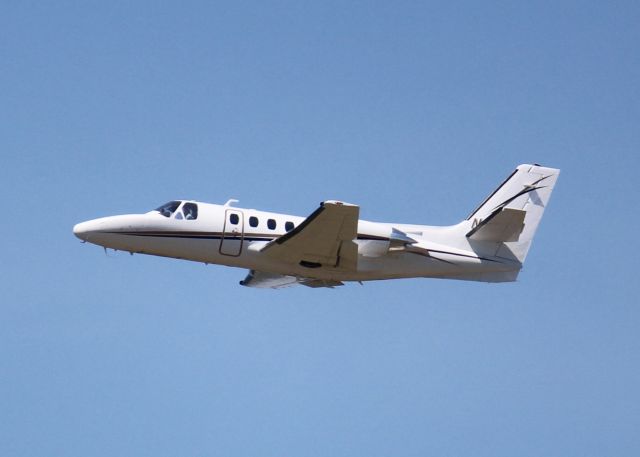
{"points": [[503, 225]]}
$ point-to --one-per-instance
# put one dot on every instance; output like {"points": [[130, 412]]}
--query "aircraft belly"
{"points": [[408, 264], [195, 249], [394, 265]]}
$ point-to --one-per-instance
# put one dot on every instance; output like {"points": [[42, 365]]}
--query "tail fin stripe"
{"points": [[526, 190], [492, 194]]}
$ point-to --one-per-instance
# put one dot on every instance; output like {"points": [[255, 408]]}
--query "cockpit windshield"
{"points": [[190, 211], [168, 208]]}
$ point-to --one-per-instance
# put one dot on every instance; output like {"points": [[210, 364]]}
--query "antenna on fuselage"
{"points": [[231, 201]]}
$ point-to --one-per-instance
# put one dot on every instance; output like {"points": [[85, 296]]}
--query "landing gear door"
{"points": [[232, 233]]}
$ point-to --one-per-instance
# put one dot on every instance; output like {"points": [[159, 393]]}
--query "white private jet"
{"points": [[332, 245]]}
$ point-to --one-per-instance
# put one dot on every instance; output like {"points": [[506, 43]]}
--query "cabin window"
{"points": [[168, 208], [271, 223], [253, 221], [288, 226], [190, 211], [234, 219]]}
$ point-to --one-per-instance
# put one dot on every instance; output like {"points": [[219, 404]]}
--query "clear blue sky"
{"points": [[413, 110]]}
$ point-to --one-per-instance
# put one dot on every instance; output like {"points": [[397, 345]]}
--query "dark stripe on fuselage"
{"points": [[198, 235], [373, 237], [220, 235], [464, 255], [265, 237], [424, 254]]}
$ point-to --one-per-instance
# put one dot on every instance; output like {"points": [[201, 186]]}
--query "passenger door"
{"points": [[233, 233]]}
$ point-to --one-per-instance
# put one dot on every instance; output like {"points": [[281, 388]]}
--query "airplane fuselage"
{"points": [[231, 236], [333, 245]]}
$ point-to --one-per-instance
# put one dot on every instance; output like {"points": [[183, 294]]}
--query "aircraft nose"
{"points": [[80, 230], [103, 230], [84, 229]]}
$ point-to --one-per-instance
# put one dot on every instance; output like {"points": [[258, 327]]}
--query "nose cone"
{"points": [[84, 229], [109, 231]]}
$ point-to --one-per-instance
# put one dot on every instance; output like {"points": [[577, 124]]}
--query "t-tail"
{"points": [[505, 222]]}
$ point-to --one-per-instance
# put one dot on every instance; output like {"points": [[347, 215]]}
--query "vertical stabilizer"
{"points": [[509, 217]]}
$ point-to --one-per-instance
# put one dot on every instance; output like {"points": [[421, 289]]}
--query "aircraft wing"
{"points": [[265, 280], [324, 239]]}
